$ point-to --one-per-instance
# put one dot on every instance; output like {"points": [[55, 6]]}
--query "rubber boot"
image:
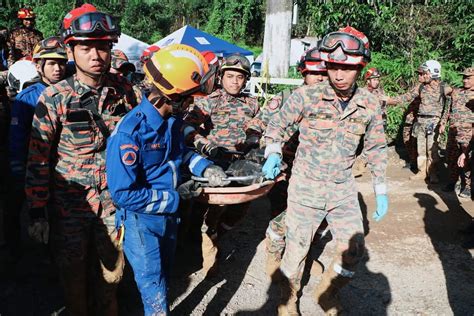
{"points": [[326, 294], [288, 305], [209, 255], [421, 174], [431, 167]]}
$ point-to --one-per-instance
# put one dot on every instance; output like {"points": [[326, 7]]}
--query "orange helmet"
{"points": [[372, 73], [210, 57], [311, 61], [86, 23], [26, 13], [179, 70], [347, 46], [148, 52]]}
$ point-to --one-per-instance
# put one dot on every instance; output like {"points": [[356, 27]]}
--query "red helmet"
{"points": [[347, 46], [26, 13], [311, 61], [86, 23], [210, 57], [148, 52], [372, 73]]}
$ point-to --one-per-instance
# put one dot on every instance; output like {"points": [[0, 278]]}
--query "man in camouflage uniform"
{"points": [[215, 124], [23, 39], [66, 165], [314, 71], [332, 118], [431, 119], [463, 100]]}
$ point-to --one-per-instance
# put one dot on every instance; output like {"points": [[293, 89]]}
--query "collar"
{"points": [[240, 97], [153, 117], [81, 88]]}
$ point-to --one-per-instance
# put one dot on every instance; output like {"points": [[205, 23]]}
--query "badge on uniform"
{"points": [[129, 158]]}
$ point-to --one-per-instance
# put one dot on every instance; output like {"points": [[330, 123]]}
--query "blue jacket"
{"points": [[23, 110], [144, 156]]}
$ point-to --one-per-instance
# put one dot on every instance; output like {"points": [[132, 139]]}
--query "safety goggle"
{"points": [[51, 43], [348, 42], [236, 59], [94, 22], [313, 55]]}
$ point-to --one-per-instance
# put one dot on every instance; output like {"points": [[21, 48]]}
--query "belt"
{"points": [[427, 115]]}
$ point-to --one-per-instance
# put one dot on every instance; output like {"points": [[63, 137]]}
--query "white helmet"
{"points": [[20, 73], [433, 67]]}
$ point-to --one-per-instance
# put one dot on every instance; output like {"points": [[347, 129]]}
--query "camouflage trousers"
{"points": [[90, 262], [426, 142], [339, 205], [452, 153], [410, 143]]}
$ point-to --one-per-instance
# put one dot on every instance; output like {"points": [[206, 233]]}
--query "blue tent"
{"points": [[202, 42]]}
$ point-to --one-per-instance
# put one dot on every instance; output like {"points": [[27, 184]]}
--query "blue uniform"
{"points": [[23, 110], [144, 156]]}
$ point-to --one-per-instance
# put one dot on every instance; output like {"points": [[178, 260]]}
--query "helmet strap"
{"points": [[93, 76]]}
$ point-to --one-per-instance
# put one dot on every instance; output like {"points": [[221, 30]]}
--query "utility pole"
{"points": [[277, 38]]}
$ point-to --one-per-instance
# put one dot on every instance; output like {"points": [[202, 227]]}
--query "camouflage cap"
{"points": [[120, 60], [468, 72]]}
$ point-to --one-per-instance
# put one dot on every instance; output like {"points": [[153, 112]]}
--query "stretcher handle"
{"points": [[243, 178]]}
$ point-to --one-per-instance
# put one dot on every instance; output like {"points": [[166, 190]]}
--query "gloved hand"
{"points": [[382, 207], [39, 230], [216, 176], [187, 191], [211, 150], [271, 168]]}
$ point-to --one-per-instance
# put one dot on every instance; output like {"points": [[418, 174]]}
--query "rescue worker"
{"points": [[463, 100], [313, 70], [23, 39], [332, 117], [144, 156], [144, 85], [409, 141], [66, 165], [50, 60], [215, 124], [431, 119], [120, 64]]}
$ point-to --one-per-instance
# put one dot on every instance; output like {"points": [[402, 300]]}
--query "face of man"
{"points": [[312, 77], [373, 83], [53, 70], [233, 81], [29, 23], [91, 57], [424, 77], [468, 82], [343, 77]]}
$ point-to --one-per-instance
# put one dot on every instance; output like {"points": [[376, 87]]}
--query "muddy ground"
{"points": [[414, 264]]}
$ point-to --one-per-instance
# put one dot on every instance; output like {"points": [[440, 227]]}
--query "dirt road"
{"points": [[414, 264]]}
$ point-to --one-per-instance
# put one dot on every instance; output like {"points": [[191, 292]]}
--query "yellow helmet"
{"points": [[49, 48], [180, 70]]}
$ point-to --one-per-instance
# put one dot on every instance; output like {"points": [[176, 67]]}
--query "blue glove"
{"points": [[271, 168], [382, 207]]}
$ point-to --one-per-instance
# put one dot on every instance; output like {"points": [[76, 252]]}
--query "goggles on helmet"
{"points": [[94, 22], [348, 43], [233, 60], [49, 45]]}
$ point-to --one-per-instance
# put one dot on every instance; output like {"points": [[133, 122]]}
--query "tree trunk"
{"points": [[277, 38]]}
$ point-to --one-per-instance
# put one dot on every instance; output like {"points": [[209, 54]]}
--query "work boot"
{"points": [[288, 305], [326, 294], [209, 255], [421, 174]]}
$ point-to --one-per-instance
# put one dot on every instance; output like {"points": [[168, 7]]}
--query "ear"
{"points": [[69, 51], [38, 67]]}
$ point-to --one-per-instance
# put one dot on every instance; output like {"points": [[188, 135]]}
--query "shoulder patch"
{"points": [[129, 157]]}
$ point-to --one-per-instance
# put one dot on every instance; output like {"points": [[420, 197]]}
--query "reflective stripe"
{"points": [[154, 198], [194, 162], [164, 202], [175, 176], [343, 272], [188, 130], [272, 235]]}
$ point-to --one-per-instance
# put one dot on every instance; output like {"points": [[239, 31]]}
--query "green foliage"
{"points": [[395, 115]]}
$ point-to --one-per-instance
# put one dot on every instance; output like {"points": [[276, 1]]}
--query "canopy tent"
{"points": [[203, 42], [132, 47]]}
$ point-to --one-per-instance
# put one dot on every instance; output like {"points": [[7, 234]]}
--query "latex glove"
{"points": [[382, 207], [271, 168], [187, 191], [216, 176], [39, 230]]}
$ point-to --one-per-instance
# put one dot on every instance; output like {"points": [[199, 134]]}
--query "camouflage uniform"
{"points": [[21, 43], [219, 120], [465, 136], [66, 173], [432, 113], [322, 185]]}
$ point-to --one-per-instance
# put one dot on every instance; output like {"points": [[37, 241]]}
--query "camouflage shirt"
{"points": [[463, 110], [329, 136], [379, 93], [432, 107], [66, 165], [21, 43], [220, 118]]}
